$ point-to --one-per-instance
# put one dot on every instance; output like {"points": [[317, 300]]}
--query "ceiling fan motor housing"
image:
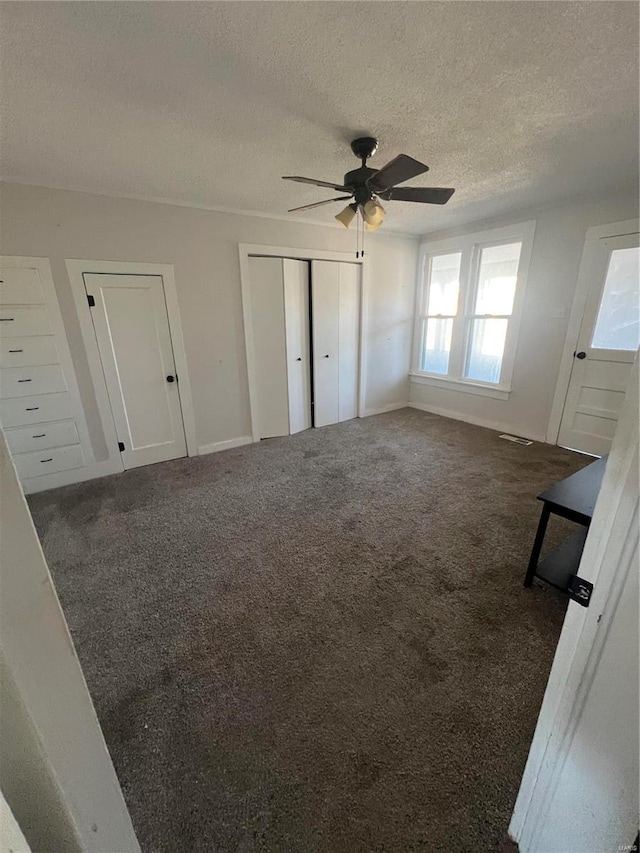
{"points": [[357, 179]]}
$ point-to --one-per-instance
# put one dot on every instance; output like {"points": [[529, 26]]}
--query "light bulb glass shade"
{"points": [[372, 227], [373, 213], [346, 216]]}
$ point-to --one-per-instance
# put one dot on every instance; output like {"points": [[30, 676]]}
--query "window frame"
{"points": [[470, 246]]}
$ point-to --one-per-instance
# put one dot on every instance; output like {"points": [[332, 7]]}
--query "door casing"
{"points": [[76, 269], [599, 232]]}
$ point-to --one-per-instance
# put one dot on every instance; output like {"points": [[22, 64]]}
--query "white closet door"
{"points": [[296, 307], [269, 346], [132, 330], [348, 336], [335, 289], [325, 294]]}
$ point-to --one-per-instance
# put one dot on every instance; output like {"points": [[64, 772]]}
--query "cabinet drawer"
{"points": [[42, 436], [24, 381], [24, 352], [20, 411], [20, 287], [16, 322], [40, 462]]}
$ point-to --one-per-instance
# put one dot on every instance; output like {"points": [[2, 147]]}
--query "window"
{"points": [[470, 304]]}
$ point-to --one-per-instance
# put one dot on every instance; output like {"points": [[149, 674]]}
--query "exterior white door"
{"points": [[608, 340], [134, 339], [335, 294], [296, 310]]}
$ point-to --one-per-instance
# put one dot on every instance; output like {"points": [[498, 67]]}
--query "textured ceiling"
{"points": [[513, 103]]}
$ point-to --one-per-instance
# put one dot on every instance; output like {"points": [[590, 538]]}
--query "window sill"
{"points": [[498, 393]]}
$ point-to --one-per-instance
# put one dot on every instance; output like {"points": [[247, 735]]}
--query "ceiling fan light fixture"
{"points": [[372, 227], [346, 216], [373, 213]]}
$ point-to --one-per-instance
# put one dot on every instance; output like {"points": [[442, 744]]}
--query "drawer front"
{"points": [[35, 409], [26, 381], [25, 352], [20, 287], [40, 462], [42, 436], [18, 322]]}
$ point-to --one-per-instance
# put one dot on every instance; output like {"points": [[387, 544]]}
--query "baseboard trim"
{"points": [[31, 485], [471, 419], [217, 446], [392, 407]]}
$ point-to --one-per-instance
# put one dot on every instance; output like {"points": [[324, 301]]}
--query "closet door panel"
{"points": [[296, 302], [325, 294], [269, 345], [349, 335]]}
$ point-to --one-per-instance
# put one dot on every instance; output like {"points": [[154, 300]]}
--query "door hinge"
{"points": [[580, 590], [91, 301], [121, 446]]}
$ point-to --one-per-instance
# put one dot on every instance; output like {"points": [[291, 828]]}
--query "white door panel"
{"points": [[325, 291], [349, 335], [296, 302], [134, 339], [269, 345], [335, 289], [606, 347]]}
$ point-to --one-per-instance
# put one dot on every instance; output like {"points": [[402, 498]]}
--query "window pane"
{"points": [[618, 323], [497, 279], [444, 283], [436, 345], [487, 347]]}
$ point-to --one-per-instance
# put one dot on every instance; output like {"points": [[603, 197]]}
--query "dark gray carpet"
{"points": [[318, 644]]}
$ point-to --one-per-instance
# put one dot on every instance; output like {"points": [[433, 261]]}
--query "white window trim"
{"points": [[468, 244]]}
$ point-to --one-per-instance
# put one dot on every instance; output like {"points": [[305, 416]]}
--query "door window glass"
{"points": [[618, 323]]}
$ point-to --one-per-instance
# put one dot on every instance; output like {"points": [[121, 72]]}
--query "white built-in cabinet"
{"points": [[305, 332], [40, 409]]}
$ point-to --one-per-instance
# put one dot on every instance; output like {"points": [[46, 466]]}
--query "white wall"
{"points": [[203, 247], [557, 249], [55, 771]]}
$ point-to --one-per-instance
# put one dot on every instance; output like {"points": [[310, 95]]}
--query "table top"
{"points": [[579, 492]]}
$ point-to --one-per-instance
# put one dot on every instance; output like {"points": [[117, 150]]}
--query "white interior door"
{"points": [[325, 296], [348, 338], [271, 398], [296, 309], [335, 291], [607, 343], [132, 330]]}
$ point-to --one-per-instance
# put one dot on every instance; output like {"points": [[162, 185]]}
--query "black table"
{"points": [[573, 498]]}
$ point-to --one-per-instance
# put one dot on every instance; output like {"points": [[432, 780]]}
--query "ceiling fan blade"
{"points": [[314, 182], [402, 168], [319, 203], [423, 195]]}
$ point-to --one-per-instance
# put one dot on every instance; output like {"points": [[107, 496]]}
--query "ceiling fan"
{"points": [[367, 186]]}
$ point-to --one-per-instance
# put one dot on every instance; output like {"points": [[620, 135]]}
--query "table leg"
{"points": [[537, 545]]}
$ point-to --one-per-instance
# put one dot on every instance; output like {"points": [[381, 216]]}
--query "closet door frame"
{"points": [[248, 249], [77, 269]]}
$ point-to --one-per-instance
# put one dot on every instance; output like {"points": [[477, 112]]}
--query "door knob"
{"points": [[171, 378], [581, 355]]}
